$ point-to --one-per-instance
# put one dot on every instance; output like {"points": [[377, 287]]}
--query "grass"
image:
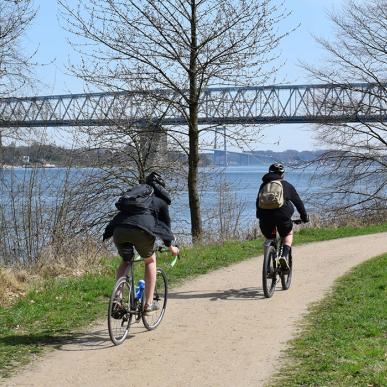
{"points": [[344, 337], [54, 308], [306, 235]]}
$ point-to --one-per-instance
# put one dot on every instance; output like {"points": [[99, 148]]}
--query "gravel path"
{"points": [[218, 330]]}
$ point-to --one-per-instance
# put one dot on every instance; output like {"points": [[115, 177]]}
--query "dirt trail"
{"points": [[218, 329]]}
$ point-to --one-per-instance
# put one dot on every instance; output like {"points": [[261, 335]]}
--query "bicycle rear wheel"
{"points": [[286, 279], [269, 273], [160, 296], [119, 316]]}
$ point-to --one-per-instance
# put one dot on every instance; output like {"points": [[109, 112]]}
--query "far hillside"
{"points": [[52, 155]]}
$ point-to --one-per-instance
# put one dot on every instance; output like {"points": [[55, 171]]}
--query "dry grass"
{"points": [[342, 219], [74, 257], [68, 259], [13, 284]]}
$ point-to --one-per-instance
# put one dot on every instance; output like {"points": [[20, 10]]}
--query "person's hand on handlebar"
{"points": [[174, 250]]}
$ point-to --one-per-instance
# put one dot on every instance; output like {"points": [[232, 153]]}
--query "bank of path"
{"points": [[218, 330]]}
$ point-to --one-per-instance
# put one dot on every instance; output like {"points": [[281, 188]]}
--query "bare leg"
{"points": [[288, 240], [150, 278], [121, 272], [122, 269]]}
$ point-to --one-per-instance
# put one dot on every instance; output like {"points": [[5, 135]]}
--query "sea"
{"points": [[234, 188]]}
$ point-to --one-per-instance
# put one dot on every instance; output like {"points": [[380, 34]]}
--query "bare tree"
{"points": [[42, 211], [355, 165], [15, 63], [181, 47], [15, 70], [128, 154], [225, 218]]}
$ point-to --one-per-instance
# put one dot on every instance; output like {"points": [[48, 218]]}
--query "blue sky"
{"points": [[54, 53]]}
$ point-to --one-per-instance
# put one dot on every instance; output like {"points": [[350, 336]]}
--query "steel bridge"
{"points": [[321, 103]]}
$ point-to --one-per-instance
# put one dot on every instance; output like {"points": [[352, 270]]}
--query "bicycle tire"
{"points": [[118, 326], [269, 284], [153, 320], [286, 279]]}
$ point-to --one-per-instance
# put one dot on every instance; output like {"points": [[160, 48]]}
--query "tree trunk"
{"points": [[193, 157], [1, 150], [193, 162]]}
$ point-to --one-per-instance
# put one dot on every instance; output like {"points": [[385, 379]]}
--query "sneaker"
{"points": [[283, 262], [149, 309]]}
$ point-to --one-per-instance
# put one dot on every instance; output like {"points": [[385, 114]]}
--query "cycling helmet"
{"points": [[277, 168], [153, 178]]}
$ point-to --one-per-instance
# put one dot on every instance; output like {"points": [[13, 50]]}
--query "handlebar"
{"points": [[163, 249]]}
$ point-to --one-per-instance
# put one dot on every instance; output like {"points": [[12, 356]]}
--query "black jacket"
{"points": [[157, 223], [290, 196]]}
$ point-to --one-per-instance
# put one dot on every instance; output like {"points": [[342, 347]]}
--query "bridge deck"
{"points": [[218, 106]]}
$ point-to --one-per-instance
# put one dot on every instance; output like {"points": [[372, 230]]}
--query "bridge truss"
{"points": [[218, 106]]}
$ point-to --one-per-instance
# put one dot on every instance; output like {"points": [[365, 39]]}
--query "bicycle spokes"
{"points": [[153, 319], [119, 314]]}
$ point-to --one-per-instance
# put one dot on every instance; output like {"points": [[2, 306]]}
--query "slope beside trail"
{"points": [[218, 330]]}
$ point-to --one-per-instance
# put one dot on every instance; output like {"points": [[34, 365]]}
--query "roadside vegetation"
{"points": [[47, 311], [343, 340]]}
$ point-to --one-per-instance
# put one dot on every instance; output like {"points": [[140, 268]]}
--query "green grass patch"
{"points": [[47, 315], [344, 337], [54, 308], [306, 235]]}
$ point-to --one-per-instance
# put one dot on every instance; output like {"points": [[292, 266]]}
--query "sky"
{"points": [[54, 53]]}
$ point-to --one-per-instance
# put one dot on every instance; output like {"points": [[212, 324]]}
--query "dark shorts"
{"points": [[269, 227], [125, 238]]}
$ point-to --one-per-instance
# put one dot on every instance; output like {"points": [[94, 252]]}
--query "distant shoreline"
{"points": [[9, 166]]}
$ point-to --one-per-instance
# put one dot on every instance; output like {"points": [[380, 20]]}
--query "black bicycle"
{"points": [[127, 303], [272, 271]]}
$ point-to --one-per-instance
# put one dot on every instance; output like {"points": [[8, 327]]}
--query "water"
{"points": [[242, 182]]}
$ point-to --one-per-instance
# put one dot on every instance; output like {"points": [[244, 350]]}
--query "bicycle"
{"points": [[271, 270], [127, 302]]}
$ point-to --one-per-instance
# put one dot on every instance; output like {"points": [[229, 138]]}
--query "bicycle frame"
{"points": [[271, 270], [134, 303], [121, 313], [276, 243]]}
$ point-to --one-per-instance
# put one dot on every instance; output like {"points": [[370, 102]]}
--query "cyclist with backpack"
{"points": [[275, 209], [143, 216]]}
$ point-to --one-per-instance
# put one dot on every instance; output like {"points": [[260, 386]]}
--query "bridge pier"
{"points": [[218, 132], [153, 145]]}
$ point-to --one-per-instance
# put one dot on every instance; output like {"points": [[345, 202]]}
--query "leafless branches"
{"points": [[181, 47], [15, 70], [356, 165]]}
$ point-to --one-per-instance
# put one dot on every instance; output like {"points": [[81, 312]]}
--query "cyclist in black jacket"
{"points": [[140, 231], [279, 219]]}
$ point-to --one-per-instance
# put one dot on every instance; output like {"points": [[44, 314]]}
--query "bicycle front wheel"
{"points": [[119, 315], [160, 296], [269, 272]]}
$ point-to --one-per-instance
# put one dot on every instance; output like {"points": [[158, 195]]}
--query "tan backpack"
{"points": [[271, 195]]}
